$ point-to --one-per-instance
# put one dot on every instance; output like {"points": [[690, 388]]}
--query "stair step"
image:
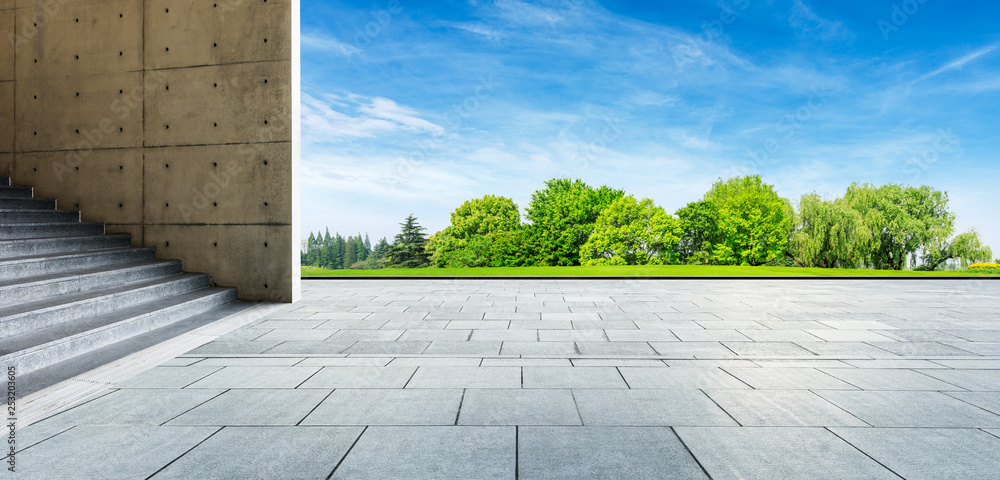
{"points": [[37, 288], [42, 347], [7, 191], [42, 230], [66, 310], [8, 216], [80, 364], [28, 203], [38, 265], [45, 246]]}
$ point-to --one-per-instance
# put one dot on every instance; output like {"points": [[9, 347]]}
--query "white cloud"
{"points": [[809, 23], [959, 63], [327, 44], [331, 118]]}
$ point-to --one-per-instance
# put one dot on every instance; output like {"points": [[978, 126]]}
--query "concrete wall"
{"points": [[175, 121]]}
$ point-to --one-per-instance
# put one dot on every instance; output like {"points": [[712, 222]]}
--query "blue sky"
{"points": [[415, 107]]}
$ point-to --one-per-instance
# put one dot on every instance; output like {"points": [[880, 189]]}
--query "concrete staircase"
{"points": [[69, 294]]}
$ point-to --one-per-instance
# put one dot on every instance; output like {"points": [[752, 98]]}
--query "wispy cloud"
{"points": [[958, 63], [804, 19], [333, 118], [327, 44]]}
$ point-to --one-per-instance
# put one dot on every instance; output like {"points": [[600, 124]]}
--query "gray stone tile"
{"points": [[269, 324], [505, 335], [927, 453], [241, 348], [992, 349], [360, 377], [680, 377], [692, 335], [782, 408], [911, 409], [132, 407], [291, 335], [350, 336], [108, 452], [466, 377], [387, 407], [256, 377], [540, 325], [387, 453], [572, 336], [789, 379], [692, 349], [847, 350], [768, 453], [617, 362], [780, 336], [181, 361], [477, 325], [345, 362], [891, 363], [647, 407], [526, 362], [463, 348], [386, 348], [986, 400], [424, 361], [604, 452], [976, 364], [975, 380], [573, 377], [888, 379], [921, 349], [518, 407], [539, 348], [436, 335], [254, 407], [169, 377], [293, 453], [311, 348], [641, 336], [767, 349], [615, 348]]}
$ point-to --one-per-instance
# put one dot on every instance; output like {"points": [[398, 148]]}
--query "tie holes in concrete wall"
{"points": [[215, 164], [121, 167], [77, 132], [34, 169], [265, 162], [166, 205], [166, 87], [215, 204], [77, 57], [265, 204], [166, 244], [121, 205], [215, 124], [265, 244], [167, 49], [215, 244], [166, 127]]}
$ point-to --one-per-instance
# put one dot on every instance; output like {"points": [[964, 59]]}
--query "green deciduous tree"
{"points": [[753, 222], [967, 248], [407, 251], [562, 216], [828, 234], [483, 216], [699, 231], [900, 221], [630, 232]]}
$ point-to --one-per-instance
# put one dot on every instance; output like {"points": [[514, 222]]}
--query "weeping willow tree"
{"points": [[828, 234], [967, 248]]}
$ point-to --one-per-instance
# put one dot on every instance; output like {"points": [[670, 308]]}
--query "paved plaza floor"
{"points": [[550, 379]]}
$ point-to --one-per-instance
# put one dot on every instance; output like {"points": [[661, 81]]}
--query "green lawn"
{"points": [[630, 271]]}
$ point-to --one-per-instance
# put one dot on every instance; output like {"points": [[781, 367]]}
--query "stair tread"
{"points": [[69, 368], [67, 255], [90, 295], [21, 240], [64, 332], [68, 275]]}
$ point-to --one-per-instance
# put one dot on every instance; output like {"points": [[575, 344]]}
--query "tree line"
{"points": [[739, 221]]}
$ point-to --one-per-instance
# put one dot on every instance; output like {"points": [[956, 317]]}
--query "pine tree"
{"points": [[407, 250], [368, 247], [338, 251], [381, 249], [350, 252], [311, 253], [360, 248]]}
